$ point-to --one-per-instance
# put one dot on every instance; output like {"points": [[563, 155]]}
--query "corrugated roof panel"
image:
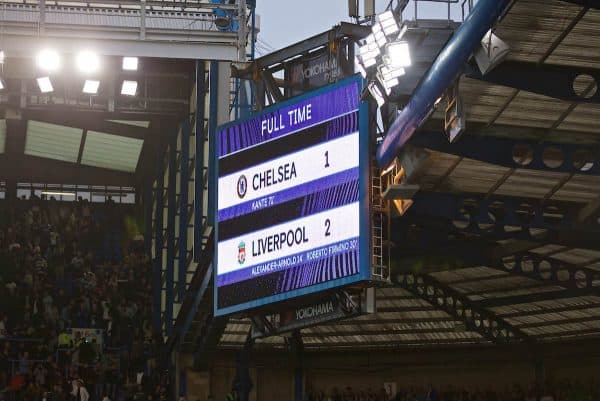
{"points": [[52, 141], [2, 136], [111, 151]]}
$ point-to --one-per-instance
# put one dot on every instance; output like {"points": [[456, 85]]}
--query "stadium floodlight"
{"points": [[2, 84], [377, 93], [2, 56], [389, 73], [379, 35], [87, 62], [387, 22], [48, 60], [371, 43], [130, 63], [388, 77], [129, 88], [91, 86], [397, 55], [45, 84]]}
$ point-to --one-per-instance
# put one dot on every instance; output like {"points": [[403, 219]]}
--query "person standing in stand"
{"points": [[79, 391]]}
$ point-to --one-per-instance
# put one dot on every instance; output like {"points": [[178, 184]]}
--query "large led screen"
{"points": [[292, 200]]}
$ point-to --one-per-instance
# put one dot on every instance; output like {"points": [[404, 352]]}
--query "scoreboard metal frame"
{"points": [[364, 242]]}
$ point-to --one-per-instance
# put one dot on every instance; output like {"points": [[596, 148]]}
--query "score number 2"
{"points": [[327, 227]]}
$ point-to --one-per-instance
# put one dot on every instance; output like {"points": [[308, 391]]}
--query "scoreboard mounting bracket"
{"points": [[343, 304]]}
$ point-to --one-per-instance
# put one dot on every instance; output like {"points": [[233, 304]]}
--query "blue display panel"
{"points": [[292, 196]]}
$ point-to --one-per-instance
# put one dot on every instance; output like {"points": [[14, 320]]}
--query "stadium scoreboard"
{"points": [[292, 211]]}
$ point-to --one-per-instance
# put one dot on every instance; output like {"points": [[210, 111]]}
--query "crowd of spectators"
{"points": [[561, 390], [62, 267]]}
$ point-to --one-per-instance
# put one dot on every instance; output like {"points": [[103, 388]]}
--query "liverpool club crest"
{"points": [[241, 253]]}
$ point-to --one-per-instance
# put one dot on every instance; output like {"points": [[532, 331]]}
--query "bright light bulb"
{"points": [[129, 88], [398, 55], [388, 23], [130, 63], [87, 62], [45, 84], [90, 86], [48, 60]]}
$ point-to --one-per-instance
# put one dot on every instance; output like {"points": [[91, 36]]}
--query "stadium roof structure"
{"points": [[501, 244], [109, 137]]}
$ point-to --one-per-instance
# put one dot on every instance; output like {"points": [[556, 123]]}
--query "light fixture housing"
{"points": [[91, 86], [130, 63], [379, 35], [87, 62], [397, 55], [377, 93], [129, 88], [48, 60], [387, 22], [45, 84]]}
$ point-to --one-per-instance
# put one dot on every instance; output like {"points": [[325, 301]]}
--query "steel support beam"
{"points": [[148, 200], [195, 295], [477, 211], [205, 347], [536, 297], [545, 79], [184, 179], [444, 70], [200, 160], [345, 29], [158, 243], [513, 153], [475, 318], [585, 3], [550, 270], [169, 272], [213, 112], [114, 31]]}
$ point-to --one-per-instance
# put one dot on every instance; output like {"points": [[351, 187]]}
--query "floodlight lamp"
{"points": [[87, 62], [91, 86], [390, 72], [2, 84], [388, 23], [45, 84], [129, 88], [48, 60], [130, 63], [387, 83], [397, 55], [368, 62], [2, 56], [379, 35], [368, 57]]}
